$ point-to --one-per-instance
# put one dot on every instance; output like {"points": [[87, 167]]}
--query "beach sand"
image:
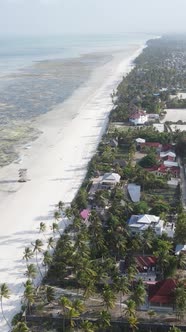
{"points": [[57, 163]]}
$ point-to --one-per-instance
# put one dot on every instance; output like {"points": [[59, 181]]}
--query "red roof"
{"points": [[151, 144], [152, 169], [85, 214], [145, 262], [164, 169], [137, 114], [167, 147], [162, 292]]}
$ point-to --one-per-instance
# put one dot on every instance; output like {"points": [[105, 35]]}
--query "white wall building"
{"points": [[168, 154], [138, 118], [139, 223], [110, 180]]}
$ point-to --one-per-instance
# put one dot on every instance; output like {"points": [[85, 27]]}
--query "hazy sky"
{"points": [[91, 16]]}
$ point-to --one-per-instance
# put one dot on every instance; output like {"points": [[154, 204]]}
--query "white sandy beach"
{"points": [[56, 163]]}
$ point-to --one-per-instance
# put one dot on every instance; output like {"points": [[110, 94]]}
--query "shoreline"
{"points": [[57, 164]]}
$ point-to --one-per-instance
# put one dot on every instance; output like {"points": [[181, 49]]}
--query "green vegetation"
{"points": [[149, 160], [159, 72]]}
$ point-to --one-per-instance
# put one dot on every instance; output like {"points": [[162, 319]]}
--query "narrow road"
{"points": [[182, 183]]}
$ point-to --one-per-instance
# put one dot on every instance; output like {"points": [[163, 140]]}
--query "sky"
{"points": [[36, 17]]}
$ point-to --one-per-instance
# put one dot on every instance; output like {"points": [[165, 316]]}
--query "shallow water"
{"points": [[37, 74], [35, 91]]}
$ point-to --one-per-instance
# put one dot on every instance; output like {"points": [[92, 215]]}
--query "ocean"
{"points": [[38, 73]]}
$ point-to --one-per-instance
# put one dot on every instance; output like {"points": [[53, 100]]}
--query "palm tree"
{"points": [[28, 254], [60, 205], [66, 305], [42, 227], [182, 260], [21, 327], [4, 293], [47, 259], [122, 286], [131, 273], [69, 212], [174, 329], [151, 314], [89, 288], [50, 294], [29, 295], [72, 313], [55, 228], [104, 320], [130, 310], [77, 223], [78, 305], [109, 297], [139, 293], [28, 283], [31, 271], [51, 243], [133, 322], [180, 300], [163, 254], [87, 326], [57, 215], [38, 248]]}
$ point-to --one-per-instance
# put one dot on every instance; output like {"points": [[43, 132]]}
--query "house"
{"points": [[139, 223], [168, 155], [140, 140], [169, 163], [109, 180], [161, 294], [134, 192], [138, 117], [84, 214], [145, 264], [151, 145], [168, 147], [162, 170], [180, 248], [106, 181]]}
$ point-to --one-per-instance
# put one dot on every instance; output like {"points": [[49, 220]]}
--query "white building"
{"points": [[180, 248], [138, 118], [140, 140], [139, 223], [110, 180], [168, 154], [169, 163]]}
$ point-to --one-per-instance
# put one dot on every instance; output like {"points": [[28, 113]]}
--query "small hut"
{"points": [[22, 175]]}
